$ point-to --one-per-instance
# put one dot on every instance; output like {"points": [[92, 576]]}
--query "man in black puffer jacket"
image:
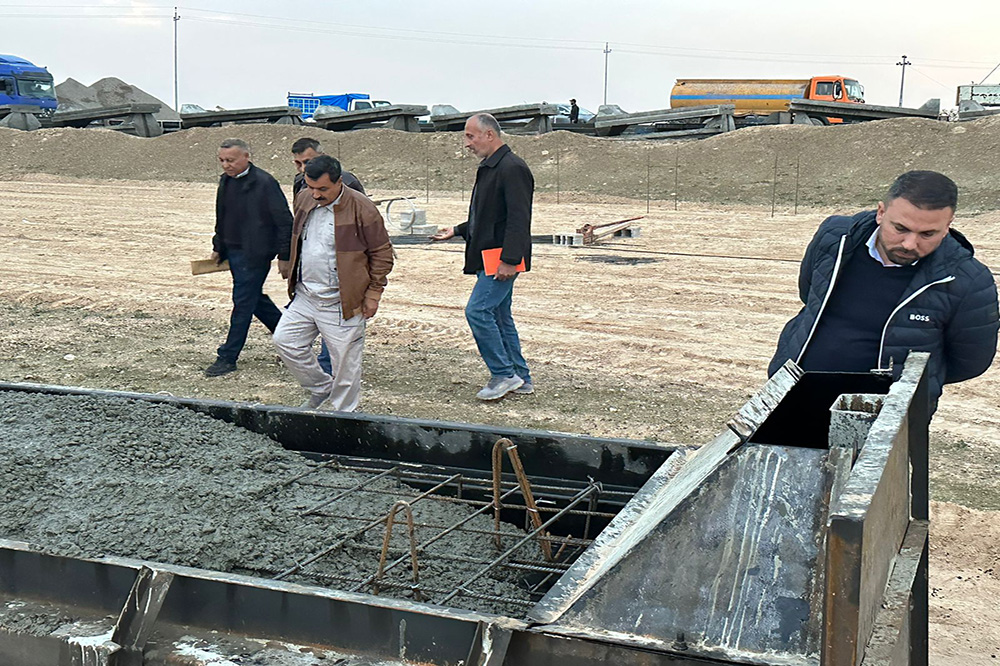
{"points": [[882, 283]]}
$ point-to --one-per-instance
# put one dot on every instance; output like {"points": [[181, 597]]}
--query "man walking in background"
{"points": [[887, 281], [340, 257], [252, 226], [499, 219], [304, 150]]}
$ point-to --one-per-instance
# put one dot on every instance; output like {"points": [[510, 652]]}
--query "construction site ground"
{"points": [[661, 337]]}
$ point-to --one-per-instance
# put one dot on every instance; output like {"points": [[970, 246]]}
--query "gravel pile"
{"points": [[109, 91], [849, 165], [87, 476]]}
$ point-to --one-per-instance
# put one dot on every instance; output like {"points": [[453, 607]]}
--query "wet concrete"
{"points": [[86, 476]]}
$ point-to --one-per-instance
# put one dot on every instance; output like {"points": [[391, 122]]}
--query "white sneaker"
{"points": [[498, 387], [527, 388]]}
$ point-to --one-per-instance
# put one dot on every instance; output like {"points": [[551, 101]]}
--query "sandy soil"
{"points": [[665, 346]]}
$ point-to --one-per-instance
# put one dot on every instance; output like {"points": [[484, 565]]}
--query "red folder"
{"points": [[491, 261]]}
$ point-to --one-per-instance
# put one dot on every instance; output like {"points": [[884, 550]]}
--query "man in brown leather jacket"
{"points": [[340, 256]]}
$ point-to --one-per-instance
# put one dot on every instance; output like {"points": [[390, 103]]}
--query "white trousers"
{"points": [[345, 338]]}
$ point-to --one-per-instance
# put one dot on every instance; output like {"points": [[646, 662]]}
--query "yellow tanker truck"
{"points": [[763, 97]]}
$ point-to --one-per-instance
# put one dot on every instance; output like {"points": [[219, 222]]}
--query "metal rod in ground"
{"points": [[558, 187], [390, 520], [504, 444], [582, 495], [798, 160], [647, 182], [427, 169], [434, 538], [774, 183], [677, 164], [358, 532], [350, 490]]}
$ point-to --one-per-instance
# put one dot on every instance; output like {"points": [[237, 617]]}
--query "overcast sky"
{"points": [[480, 55]]}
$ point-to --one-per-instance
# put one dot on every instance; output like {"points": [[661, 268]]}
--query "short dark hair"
{"points": [[928, 190], [304, 144], [317, 166]]}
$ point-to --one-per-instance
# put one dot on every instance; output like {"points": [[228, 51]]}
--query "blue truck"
{"points": [[348, 102], [24, 83]]}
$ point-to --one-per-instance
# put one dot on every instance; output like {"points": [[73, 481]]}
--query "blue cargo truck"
{"points": [[24, 83], [348, 102]]}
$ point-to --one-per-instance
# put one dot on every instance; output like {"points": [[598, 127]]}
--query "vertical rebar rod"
{"points": [[427, 170], [339, 543], [522, 479], [580, 496], [558, 184], [647, 182], [677, 163], [774, 183], [798, 160], [390, 520], [436, 537]]}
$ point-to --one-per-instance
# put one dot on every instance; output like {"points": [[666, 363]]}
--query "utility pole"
{"points": [[177, 18], [606, 52], [902, 78]]}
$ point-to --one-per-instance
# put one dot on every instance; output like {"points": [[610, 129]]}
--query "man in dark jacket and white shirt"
{"points": [[882, 283], [499, 217], [252, 225]]}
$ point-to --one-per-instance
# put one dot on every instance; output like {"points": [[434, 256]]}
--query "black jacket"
{"points": [[350, 180], [500, 211], [949, 309], [267, 225]]}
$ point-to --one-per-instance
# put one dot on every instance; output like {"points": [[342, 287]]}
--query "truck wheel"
{"points": [[816, 120]]}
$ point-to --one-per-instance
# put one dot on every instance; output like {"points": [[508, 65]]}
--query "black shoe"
{"points": [[219, 368]]}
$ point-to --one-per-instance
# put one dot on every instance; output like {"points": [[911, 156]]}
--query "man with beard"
{"points": [[882, 283]]}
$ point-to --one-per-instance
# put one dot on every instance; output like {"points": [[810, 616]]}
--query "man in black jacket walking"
{"points": [[305, 149], [499, 218], [882, 283], [252, 225]]}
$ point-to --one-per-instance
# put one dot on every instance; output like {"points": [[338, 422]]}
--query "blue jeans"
{"points": [[488, 314], [324, 358], [249, 301]]}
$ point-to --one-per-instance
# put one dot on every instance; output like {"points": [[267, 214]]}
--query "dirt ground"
{"points": [[644, 338]]}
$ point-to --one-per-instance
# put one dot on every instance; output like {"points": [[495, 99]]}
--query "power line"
{"points": [[349, 33], [434, 33], [469, 39]]}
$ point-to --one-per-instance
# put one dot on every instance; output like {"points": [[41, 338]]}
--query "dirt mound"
{"points": [[109, 91], [814, 166]]}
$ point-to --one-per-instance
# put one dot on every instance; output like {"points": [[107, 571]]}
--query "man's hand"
{"points": [[444, 234], [285, 268], [216, 258], [369, 308], [505, 271]]}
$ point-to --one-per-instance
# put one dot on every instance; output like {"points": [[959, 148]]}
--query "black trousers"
{"points": [[249, 301]]}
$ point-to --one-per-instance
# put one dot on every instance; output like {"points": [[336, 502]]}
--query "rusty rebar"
{"points": [[344, 538], [529, 499], [436, 537], [390, 520], [536, 533]]}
